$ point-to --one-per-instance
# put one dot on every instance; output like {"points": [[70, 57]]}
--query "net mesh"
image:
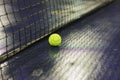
{"points": [[23, 22]]}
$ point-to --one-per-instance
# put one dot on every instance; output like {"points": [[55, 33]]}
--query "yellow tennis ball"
{"points": [[55, 39]]}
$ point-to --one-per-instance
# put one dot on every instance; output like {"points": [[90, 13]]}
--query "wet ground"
{"points": [[90, 51]]}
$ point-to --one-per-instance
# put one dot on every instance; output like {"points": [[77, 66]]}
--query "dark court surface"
{"points": [[25, 22], [90, 51]]}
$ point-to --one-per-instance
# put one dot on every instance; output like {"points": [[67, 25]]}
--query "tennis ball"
{"points": [[55, 39]]}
